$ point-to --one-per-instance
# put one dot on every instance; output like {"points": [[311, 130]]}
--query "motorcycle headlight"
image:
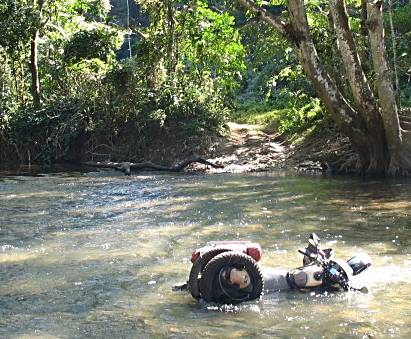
{"points": [[334, 273], [337, 273]]}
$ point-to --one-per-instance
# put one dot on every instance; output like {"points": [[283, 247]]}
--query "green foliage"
{"points": [[210, 45], [298, 120], [274, 75], [16, 21], [99, 42], [292, 120], [93, 9], [406, 96], [202, 44], [402, 26], [48, 133], [401, 17], [275, 92], [192, 60], [186, 107]]}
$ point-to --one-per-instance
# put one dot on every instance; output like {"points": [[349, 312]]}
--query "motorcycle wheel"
{"points": [[197, 268], [211, 288]]}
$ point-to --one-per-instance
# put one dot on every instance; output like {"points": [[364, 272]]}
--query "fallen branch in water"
{"points": [[126, 167]]}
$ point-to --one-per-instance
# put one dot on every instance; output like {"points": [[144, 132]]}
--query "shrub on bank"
{"points": [[113, 116], [294, 120]]}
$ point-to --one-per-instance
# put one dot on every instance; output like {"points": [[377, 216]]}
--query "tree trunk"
{"points": [[371, 125], [399, 162], [363, 96], [347, 118], [34, 69], [128, 29], [364, 30], [35, 82], [297, 32], [172, 41], [394, 55], [364, 100]]}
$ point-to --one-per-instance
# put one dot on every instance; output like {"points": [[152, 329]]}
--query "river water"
{"points": [[95, 254]]}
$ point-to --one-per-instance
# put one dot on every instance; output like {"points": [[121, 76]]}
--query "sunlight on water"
{"points": [[96, 254]]}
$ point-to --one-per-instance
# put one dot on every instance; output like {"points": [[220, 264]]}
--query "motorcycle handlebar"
{"points": [[320, 262]]}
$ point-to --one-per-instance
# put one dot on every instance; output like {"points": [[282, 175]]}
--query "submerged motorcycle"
{"points": [[229, 272]]}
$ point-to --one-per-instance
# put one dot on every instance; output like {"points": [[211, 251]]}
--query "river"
{"points": [[95, 254]]}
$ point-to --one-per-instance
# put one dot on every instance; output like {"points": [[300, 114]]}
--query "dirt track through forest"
{"points": [[246, 148]]}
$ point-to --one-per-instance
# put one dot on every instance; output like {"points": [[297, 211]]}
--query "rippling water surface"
{"points": [[96, 254]]}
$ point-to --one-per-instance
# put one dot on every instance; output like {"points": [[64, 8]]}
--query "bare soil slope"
{"points": [[246, 148]]}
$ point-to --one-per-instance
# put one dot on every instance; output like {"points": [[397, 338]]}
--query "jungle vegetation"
{"points": [[100, 79]]}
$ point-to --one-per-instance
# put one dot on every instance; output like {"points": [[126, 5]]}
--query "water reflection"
{"points": [[94, 255]]}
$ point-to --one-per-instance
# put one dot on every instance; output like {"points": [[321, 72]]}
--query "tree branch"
{"points": [[126, 167], [394, 52], [364, 30], [307, 54], [297, 32], [266, 16], [345, 116], [385, 88]]}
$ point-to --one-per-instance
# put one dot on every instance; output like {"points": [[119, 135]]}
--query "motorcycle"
{"points": [[229, 272]]}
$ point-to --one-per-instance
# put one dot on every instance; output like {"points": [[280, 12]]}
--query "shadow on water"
{"points": [[94, 255]]}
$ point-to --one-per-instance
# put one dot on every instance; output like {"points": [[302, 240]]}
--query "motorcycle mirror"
{"points": [[312, 243], [314, 239]]}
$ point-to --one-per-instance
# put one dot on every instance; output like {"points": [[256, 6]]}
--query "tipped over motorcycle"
{"points": [[229, 272]]}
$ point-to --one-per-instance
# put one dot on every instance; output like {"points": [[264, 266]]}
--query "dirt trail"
{"points": [[245, 148]]}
